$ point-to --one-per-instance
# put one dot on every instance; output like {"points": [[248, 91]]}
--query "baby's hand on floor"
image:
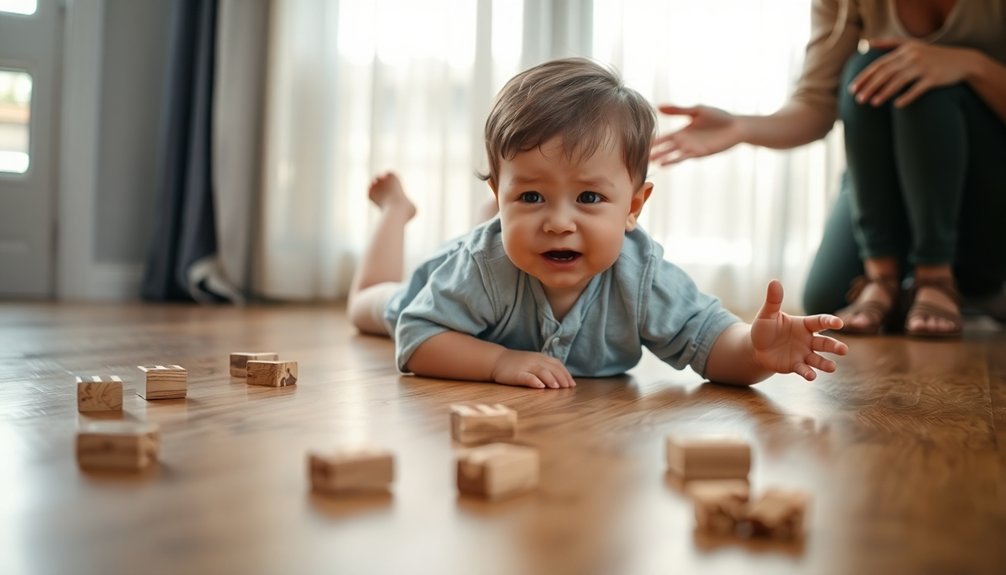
{"points": [[531, 369], [785, 343]]}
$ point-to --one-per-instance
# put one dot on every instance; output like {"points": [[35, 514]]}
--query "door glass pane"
{"points": [[15, 114], [18, 6]]}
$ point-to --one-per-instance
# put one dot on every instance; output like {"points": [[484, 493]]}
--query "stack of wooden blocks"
{"points": [[716, 471], [121, 445], [497, 470], [263, 368]]}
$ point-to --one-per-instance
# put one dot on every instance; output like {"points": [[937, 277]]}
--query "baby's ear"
{"points": [[639, 198]]}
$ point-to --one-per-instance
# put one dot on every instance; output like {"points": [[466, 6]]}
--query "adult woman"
{"points": [[924, 110]]}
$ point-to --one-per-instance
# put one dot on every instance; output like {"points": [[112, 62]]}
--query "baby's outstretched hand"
{"points": [[785, 343], [531, 369]]}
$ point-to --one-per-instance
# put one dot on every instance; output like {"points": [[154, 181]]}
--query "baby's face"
{"points": [[564, 220]]}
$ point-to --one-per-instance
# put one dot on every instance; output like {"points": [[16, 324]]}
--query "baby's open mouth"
{"points": [[562, 255]]}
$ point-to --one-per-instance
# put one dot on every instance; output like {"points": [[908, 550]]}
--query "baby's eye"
{"points": [[530, 198], [590, 198]]}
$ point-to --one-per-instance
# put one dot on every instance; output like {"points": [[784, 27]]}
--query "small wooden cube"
{"points": [[497, 470], [164, 382], [708, 457], [272, 373], [117, 445], [99, 393], [363, 468], [239, 361], [481, 422], [720, 505], [779, 513]]}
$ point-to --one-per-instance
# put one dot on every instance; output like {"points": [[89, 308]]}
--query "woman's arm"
{"points": [[712, 130], [795, 124]]}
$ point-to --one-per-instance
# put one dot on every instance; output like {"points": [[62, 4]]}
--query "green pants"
{"points": [[926, 184]]}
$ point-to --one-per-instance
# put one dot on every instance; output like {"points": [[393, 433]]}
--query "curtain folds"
{"points": [[238, 110], [357, 88], [208, 187], [184, 230], [742, 217]]}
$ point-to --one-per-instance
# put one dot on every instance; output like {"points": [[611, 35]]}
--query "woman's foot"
{"points": [[387, 193], [873, 302], [935, 310]]}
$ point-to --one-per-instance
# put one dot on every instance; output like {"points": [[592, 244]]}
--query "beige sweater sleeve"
{"points": [[837, 26], [835, 29]]}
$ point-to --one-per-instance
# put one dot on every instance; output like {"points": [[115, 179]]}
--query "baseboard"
{"points": [[104, 282]]}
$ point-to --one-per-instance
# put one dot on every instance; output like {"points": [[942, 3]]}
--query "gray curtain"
{"points": [[209, 167], [184, 228]]}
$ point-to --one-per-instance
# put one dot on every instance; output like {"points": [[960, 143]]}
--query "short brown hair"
{"points": [[577, 99]]}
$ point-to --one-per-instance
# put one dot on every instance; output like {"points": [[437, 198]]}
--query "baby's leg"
{"points": [[383, 259]]}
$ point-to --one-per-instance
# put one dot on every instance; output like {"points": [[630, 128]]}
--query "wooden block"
{"points": [[362, 468], [481, 422], [99, 393], [779, 513], [240, 359], [272, 373], [497, 470], [164, 382], [720, 505], [120, 445], [708, 457]]}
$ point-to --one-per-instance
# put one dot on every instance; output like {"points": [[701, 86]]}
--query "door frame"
{"points": [[79, 275]]}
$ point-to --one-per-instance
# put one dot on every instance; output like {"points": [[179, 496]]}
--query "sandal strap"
{"points": [[888, 283], [926, 309], [945, 285]]}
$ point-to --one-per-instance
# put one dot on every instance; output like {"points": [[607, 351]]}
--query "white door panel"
{"points": [[28, 45]]}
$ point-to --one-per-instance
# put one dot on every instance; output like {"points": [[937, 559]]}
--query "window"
{"points": [[15, 115], [25, 7]]}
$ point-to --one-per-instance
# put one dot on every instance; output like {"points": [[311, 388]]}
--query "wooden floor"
{"points": [[902, 450]]}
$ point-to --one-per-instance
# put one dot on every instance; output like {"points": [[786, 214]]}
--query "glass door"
{"points": [[29, 49]]}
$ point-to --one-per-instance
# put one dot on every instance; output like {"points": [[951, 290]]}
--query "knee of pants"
{"points": [[848, 107], [934, 102]]}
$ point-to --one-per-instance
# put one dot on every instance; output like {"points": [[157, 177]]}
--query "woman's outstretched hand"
{"points": [[710, 131]]}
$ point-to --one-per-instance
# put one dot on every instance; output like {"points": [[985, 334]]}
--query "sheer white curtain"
{"points": [[740, 218], [361, 86]]}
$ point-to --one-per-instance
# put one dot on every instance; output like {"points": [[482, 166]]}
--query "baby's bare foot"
{"points": [[387, 193]]}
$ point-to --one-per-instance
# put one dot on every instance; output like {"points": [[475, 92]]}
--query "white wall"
{"points": [[114, 63]]}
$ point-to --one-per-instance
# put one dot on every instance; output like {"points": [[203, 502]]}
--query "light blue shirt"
{"points": [[472, 287]]}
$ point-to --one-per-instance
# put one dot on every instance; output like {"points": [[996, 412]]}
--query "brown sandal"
{"points": [[881, 316], [947, 287]]}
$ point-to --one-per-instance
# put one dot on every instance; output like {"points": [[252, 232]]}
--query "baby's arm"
{"points": [[455, 355], [775, 343]]}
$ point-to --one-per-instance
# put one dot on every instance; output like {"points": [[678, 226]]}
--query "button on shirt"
{"points": [[472, 287]]}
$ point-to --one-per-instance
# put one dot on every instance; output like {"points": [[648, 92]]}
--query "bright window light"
{"points": [[18, 6]]}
